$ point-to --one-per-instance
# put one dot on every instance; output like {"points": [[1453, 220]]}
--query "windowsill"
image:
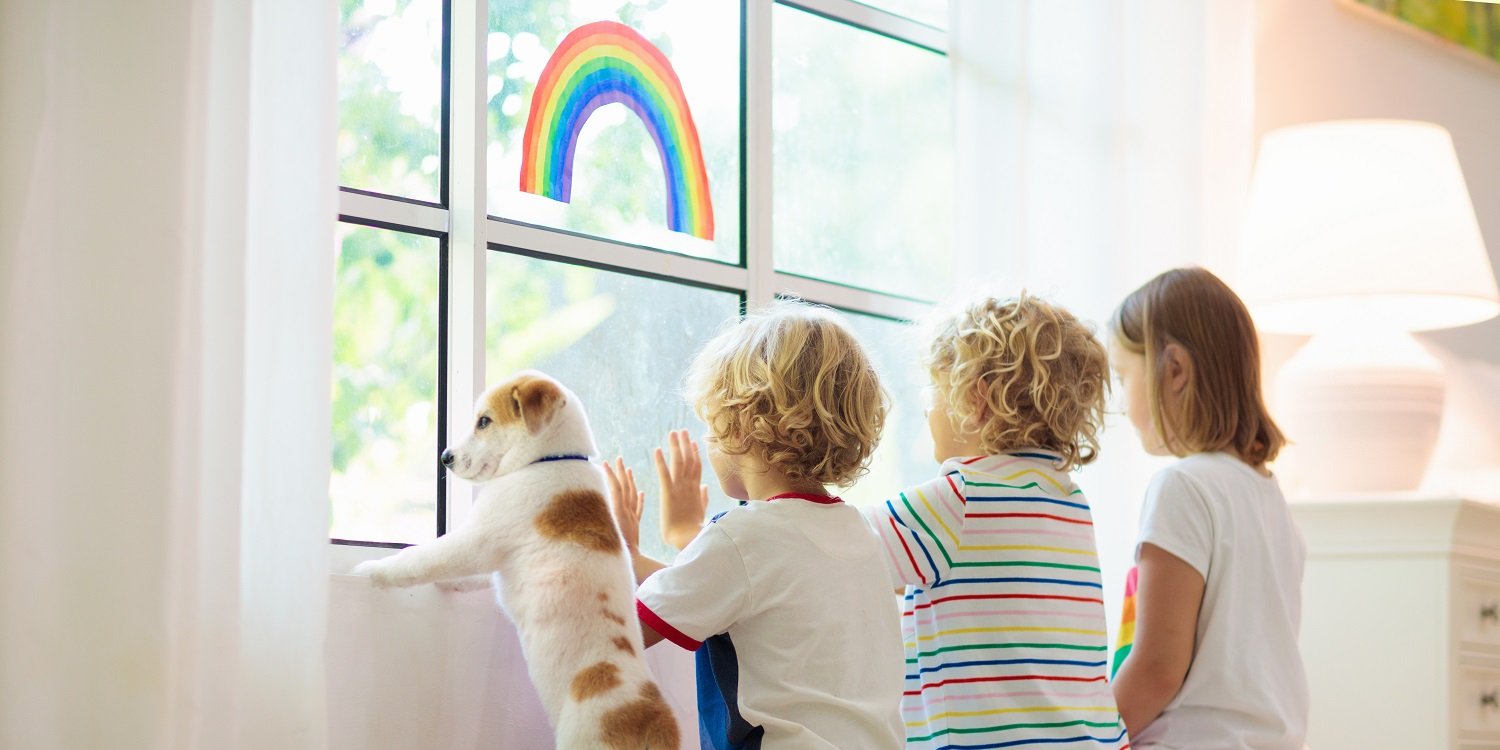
{"points": [[343, 557]]}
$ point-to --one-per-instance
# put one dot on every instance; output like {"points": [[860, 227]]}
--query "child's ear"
{"points": [[1177, 368], [535, 400], [979, 399]]}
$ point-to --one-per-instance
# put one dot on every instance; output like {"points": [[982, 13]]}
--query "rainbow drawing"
{"points": [[1126, 637], [604, 63]]}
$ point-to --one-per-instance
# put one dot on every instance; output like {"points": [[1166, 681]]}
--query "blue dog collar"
{"points": [[564, 457]]}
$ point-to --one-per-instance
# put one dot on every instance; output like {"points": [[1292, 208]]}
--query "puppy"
{"points": [[543, 530]]}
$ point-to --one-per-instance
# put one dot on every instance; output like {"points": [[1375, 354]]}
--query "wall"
{"points": [[423, 668]]}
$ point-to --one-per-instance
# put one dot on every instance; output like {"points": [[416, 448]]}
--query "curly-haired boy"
{"points": [[1004, 623], [785, 599]]}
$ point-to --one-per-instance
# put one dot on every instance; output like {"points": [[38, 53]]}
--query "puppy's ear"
{"points": [[535, 401]]}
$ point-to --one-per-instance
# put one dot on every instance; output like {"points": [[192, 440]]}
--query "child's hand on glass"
{"points": [[684, 498], [626, 501]]}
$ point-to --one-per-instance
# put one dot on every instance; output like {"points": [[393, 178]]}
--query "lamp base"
{"points": [[1362, 412]]}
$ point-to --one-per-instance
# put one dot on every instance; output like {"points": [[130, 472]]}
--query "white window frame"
{"points": [[471, 233]]}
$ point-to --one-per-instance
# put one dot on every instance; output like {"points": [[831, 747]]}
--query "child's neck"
{"points": [[1262, 469], [769, 484], [956, 448]]}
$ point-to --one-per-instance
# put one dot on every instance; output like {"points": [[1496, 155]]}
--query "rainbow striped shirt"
{"points": [[1003, 622]]}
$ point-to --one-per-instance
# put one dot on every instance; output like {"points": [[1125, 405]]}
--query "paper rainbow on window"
{"points": [[604, 63]]}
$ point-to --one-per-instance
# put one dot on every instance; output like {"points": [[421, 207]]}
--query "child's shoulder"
{"points": [[792, 534], [737, 528], [1210, 467], [771, 515], [1210, 478]]}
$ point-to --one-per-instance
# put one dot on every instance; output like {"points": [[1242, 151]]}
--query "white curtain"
{"points": [[1101, 142], [166, 227]]}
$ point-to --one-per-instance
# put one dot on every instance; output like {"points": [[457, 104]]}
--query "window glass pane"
{"points": [[904, 457], [390, 96], [862, 157], [607, 172], [931, 12], [385, 369], [622, 343]]}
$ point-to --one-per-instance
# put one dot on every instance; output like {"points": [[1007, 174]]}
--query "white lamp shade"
{"points": [[1363, 222]]}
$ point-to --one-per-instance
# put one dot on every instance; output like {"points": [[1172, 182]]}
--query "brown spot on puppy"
{"points": [[642, 723], [594, 680], [603, 597], [616, 619], [623, 643], [582, 518]]}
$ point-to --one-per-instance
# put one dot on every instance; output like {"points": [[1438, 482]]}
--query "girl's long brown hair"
{"points": [[1222, 408]]}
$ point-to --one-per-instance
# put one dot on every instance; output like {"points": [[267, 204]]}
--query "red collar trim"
{"points": [[819, 499]]}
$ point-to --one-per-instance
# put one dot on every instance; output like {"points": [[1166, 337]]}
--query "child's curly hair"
{"points": [[792, 386], [1023, 373]]}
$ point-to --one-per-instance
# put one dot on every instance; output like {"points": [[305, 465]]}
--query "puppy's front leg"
{"points": [[458, 554]]}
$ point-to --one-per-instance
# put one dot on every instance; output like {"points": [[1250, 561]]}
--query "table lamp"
{"points": [[1360, 232]]}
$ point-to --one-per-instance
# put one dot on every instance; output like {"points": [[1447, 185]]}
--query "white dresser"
{"points": [[1401, 623]]}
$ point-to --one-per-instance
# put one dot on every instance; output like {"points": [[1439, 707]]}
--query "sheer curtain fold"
{"points": [[1102, 142], [166, 225]]}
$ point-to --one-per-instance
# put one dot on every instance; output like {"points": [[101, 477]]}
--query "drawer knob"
{"points": [[1490, 699], [1490, 612]]}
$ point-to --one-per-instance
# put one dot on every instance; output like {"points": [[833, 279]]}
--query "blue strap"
{"points": [[565, 457]]}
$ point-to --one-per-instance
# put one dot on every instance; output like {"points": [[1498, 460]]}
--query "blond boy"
{"points": [[1003, 623], [784, 599]]}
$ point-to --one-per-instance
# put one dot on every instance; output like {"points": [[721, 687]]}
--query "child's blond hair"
{"points": [[1222, 407], [791, 386], [1022, 373]]}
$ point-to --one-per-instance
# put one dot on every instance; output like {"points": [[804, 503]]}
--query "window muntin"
{"points": [[934, 13]]}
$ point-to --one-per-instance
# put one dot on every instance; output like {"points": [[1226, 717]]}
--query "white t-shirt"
{"points": [[789, 607], [1245, 689]]}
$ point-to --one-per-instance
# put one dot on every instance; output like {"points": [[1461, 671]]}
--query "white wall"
{"points": [[422, 668]]}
